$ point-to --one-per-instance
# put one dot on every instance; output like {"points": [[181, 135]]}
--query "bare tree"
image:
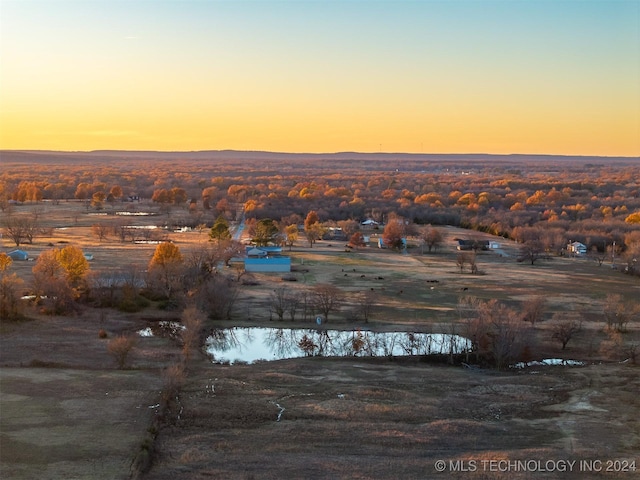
{"points": [[495, 331], [217, 296], [120, 347], [293, 305], [533, 309], [10, 304], [531, 251], [461, 260], [432, 238], [100, 230], [192, 320], [565, 328], [618, 313], [19, 229], [366, 303], [327, 299], [279, 302]]}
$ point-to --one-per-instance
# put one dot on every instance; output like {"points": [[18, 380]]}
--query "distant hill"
{"points": [[96, 156]]}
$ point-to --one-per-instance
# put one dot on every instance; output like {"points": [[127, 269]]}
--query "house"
{"points": [[262, 251], [464, 244], [577, 248], [334, 233], [369, 225], [266, 260], [18, 255]]}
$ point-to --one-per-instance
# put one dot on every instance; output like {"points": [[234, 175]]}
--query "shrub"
{"points": [[120, 347]]}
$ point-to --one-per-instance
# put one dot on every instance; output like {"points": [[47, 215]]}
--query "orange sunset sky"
{"points": [[508, 76]]}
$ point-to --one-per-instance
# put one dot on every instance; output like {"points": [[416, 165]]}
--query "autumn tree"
{"points": [[5, 262], [59, 277], [290, 235], [393, 235], [10, 285], [312, 227], [166, 268], [116, 191], [97, 200], [357, 240]]}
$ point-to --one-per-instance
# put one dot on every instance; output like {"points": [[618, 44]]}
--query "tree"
{"points": [[565, 328], [314, 233], [100, 230], [279, 302], [290, 235], [97, 199], [166, 268], [312, 227], [265, 232], [217, 296], [531, 251], [432, 238], [10, 305], [461, 260], [116, 191], [73, 263], [366, 303], [393, 235], [618, 313], [533, 309], [357, 240], [192, 320], [495, 331], [20, 229], [220, 230], [5, 262], [178, 196], [51, 285], [120, 347], [327, 299], [59, 277]]}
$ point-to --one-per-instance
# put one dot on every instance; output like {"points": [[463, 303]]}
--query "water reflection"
{"points": [[247, 345]]}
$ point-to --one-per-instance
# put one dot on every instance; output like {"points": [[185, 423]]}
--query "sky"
{"points": [[451, 76]]}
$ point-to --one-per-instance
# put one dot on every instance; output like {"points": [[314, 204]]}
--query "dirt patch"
{"points": [[67, 412], [365, 418]]}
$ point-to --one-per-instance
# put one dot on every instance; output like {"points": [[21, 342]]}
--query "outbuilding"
{"points": [[18, 255]]}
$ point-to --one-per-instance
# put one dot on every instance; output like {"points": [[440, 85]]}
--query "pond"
{"points": [[248, 345]]}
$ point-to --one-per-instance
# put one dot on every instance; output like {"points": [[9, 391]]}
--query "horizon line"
{"points": [[231, 150]]}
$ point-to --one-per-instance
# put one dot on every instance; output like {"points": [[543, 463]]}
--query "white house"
{"points": [[577, 248]]}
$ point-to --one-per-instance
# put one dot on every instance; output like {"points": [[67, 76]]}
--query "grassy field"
{"points": [[67, 412]]}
